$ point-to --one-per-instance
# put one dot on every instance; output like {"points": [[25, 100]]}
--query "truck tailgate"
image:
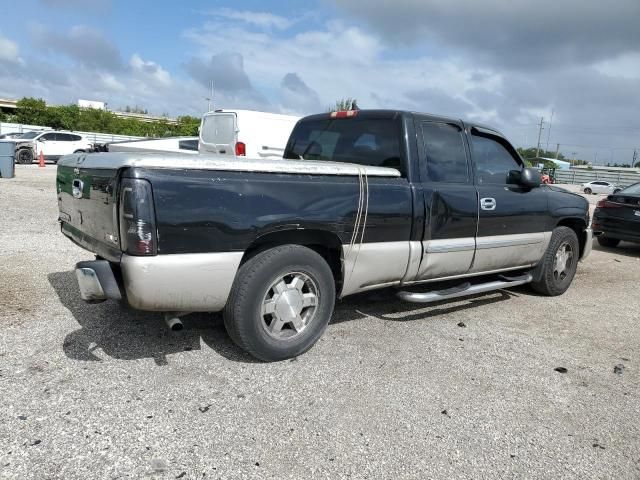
{"points": [[87, 203]]}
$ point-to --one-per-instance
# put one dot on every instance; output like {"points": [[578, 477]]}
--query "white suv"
{"points": [[53, 145]]}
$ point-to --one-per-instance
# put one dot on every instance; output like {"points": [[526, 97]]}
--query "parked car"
{"points": [[362, 200], [52, 144], [245, 133], [9, 136], [599, 186], [617, 217]]}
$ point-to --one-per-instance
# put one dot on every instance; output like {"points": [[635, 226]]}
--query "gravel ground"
{"points": [[466, 389]]}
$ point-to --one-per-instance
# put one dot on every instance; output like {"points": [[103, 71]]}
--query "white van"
{"points": [[245, 133]]}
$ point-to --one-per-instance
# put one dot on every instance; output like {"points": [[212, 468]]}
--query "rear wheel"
{"points": [[281, 302], [608, 241], [560, 263], [587, 191], [25, 156]]}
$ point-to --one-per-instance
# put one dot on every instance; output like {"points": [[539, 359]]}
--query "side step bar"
{"points": [[465, 289]]}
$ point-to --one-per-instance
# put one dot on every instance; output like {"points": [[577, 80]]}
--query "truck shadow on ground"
{"points": [[624, 249], [117, 331]]}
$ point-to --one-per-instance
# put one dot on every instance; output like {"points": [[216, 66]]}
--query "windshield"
{"points": [[363, 141], [632, 190], [29, 135]]}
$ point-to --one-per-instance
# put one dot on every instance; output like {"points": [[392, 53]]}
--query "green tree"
{"points": [[342, 105], [32, 111]]}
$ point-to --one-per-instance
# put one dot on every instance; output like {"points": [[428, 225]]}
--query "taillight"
{"points": [[137, 218], [241, 149], [344, 114], [604, 203]]}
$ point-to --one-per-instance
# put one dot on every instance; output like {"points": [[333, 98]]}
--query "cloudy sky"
{"points": [[506, 63]]}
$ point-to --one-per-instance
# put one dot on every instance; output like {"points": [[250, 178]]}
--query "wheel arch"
{"points": [[326, 244], [578, 225]]}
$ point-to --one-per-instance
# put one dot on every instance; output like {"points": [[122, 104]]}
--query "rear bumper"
{"points": [[166, 283], [588, 243], [97, 281]]}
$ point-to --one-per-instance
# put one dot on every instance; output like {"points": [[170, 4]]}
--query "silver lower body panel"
{"points": [[192, 282]]}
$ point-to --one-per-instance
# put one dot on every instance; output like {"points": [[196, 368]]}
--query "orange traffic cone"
{"points": [[41, 162]]}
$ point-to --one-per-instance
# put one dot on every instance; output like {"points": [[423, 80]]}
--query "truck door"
{"points": [[513, 228], [450, 198]]}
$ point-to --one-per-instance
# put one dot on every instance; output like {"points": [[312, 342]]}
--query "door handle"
{"points": [[488, 203]]}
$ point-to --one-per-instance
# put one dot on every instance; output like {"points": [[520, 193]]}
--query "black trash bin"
{"points": [[7, 159]]}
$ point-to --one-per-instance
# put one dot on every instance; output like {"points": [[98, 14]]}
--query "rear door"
{"points": [[513, 226], [450, 198], [218, 133]]}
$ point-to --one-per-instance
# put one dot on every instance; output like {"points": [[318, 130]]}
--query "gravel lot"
{"points": [[457, 390]]}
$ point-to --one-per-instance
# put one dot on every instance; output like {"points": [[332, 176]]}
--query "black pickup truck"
{"points": [[361, 200]]}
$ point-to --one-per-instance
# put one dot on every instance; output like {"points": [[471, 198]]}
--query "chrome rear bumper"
{"points": [[97, 282], [588, 243]]}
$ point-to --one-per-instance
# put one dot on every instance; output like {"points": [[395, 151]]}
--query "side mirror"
{"points": [[527, 177]]}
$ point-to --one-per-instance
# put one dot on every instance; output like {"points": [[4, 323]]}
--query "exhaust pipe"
{"points": [[173, 322]]}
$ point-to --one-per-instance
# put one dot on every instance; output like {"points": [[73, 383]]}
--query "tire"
{"points": [[79, 151], [554, 282], [24, 156], [608, 241], [587, 191], [260, 286]]}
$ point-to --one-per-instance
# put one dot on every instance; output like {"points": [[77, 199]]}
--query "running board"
{"points": [[465, 289]]}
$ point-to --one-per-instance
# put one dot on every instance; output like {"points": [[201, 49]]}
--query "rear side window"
{"points": [[446, 159], [363, 141], [492, 159]]}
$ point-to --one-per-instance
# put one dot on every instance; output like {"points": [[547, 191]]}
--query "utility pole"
{"points": [[635, 157], [539, 136], [209, 99], [549, 131], [557, 147]]}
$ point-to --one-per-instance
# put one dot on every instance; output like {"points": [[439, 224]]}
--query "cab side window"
{"points": [[493, 160], [446, 158]]}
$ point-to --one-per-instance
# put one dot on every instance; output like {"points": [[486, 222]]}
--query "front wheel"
{"points": [[608, 241], [559, 263], [25, 156], [281, 302], [587, 191]]}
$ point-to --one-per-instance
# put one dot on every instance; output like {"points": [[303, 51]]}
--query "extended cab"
{"points": [[362, 200]]}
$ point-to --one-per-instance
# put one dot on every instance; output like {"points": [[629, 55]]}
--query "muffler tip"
{"points": [[174, 323]]}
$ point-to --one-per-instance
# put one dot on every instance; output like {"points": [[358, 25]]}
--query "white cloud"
{"points": [[626, 66], [260, 19], [149, 72], [342, 60], [9, 50]]}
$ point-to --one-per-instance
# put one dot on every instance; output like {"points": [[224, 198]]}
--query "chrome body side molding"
{"points": [[193, 282]]}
